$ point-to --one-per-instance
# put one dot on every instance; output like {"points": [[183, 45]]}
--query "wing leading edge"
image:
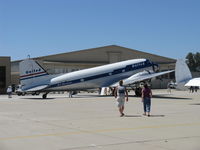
{"points": [[141, 76]]}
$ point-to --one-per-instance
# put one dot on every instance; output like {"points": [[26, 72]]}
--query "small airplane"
{"points": [[35, 79], [184, 76]]}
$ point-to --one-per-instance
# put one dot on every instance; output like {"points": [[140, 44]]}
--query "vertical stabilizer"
{"points": [[182, 73], [31, 74]]}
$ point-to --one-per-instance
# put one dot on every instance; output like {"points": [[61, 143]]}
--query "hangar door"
{"points": [[2, 76]]}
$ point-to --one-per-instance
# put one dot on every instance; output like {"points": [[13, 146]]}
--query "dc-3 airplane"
{"points": [[184, 76], [34, 78]]}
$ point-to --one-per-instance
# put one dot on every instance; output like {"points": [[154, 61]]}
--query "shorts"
{"points": [[120, 101]]}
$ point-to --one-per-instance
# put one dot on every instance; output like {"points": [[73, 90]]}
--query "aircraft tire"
{"points": [[44, 96], [138, 92], [19, 94]]}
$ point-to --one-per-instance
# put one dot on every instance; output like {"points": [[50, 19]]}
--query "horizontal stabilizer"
{"points": [[37, 88]]}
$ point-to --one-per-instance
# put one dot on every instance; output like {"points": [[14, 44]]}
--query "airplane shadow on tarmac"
{"points": [[195, 104], [132, 116], [160, 96], [142, 115], [37, 98], [164, 96], [157, 115]]}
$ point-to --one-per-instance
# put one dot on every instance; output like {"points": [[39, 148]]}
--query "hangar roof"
{"points": [[101, 55]]}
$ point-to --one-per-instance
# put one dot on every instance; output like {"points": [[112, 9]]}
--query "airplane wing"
{"points": [[37, 88], [142, 76], [193, 82]]}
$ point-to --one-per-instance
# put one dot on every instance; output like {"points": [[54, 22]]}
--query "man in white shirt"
{"points": [[120, 94]]}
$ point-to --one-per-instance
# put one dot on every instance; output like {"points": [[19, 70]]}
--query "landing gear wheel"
{"points": [[138, 92], [44, 96]]}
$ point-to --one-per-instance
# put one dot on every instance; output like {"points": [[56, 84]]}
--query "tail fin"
{"points": [[182, 73], [31, 74]]}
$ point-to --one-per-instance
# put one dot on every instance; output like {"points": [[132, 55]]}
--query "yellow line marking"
{"points": [[99, 131]]}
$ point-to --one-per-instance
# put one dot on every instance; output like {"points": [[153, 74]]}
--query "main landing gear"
{"points": [[138, 91], [44, 96]]}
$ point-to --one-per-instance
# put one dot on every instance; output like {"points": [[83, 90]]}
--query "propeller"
{"points": [[155, 67]]}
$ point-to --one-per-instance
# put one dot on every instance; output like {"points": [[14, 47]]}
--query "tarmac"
{"points": [[91, 122]]}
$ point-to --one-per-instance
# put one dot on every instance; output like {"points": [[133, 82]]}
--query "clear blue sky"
{"points": [[168, 28]]}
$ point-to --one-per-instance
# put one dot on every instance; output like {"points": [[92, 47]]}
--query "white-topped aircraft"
{"points": [[184, 76], [33, 78]]}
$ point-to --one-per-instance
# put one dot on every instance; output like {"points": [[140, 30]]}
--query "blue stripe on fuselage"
{"points": [[128, 68]]}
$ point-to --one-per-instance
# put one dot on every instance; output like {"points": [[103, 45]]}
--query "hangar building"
{"points": [[5, 75], [77, 60]]}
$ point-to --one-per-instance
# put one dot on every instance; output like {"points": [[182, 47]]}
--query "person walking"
{"points": [[146, 99], [9, 91], [169, 87], [196, 88], [191, 89], [121, 94]]}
